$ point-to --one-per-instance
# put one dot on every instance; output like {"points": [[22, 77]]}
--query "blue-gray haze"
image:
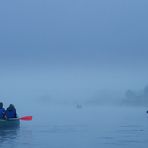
{"points": [[58, 58], [72, 49]]}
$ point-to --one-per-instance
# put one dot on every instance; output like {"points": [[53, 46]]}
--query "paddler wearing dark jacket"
{"points": [[10, 112], [2, 111]]}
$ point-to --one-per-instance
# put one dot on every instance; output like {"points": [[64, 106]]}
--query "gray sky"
{"points": [[65, 31], [87, 43]]}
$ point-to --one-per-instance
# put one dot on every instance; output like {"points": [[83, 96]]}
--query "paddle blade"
{"points": [[26, 118]]}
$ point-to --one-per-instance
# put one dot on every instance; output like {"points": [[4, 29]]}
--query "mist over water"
{"points": [[73, 108], [67, 85], [79, 68]]}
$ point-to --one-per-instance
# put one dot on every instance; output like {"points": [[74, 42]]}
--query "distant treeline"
{"points": [[136, 98]]}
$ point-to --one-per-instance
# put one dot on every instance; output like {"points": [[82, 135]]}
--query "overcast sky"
{"points": [[91, 42]]}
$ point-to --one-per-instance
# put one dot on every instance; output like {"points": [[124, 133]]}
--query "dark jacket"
{"points": [[2, 113], [11, 112]]}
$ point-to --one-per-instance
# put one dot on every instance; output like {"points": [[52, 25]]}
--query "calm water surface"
{"points": [[89, 127]]}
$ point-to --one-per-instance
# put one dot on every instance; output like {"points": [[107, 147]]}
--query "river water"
{"points": [[88, 127]]}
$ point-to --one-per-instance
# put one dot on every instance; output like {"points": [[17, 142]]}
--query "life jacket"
{"points": [[10, 113], [2, 113]]}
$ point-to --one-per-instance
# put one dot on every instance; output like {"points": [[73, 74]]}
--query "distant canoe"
{"points": [[14, 122]]}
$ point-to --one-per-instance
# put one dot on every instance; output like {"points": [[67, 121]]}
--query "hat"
{"points": [[1, 105]]}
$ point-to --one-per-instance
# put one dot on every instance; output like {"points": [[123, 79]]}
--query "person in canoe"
{"points": [[2, 111], [11, 112]]}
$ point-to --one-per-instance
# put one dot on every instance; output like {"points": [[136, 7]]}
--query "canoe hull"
{"points": [[10, 123]]}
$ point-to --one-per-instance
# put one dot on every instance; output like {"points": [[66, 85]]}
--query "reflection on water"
{"points": [[8, 134]]}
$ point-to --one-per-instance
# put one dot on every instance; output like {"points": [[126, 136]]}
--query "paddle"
{"points": [[26, 118]]}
